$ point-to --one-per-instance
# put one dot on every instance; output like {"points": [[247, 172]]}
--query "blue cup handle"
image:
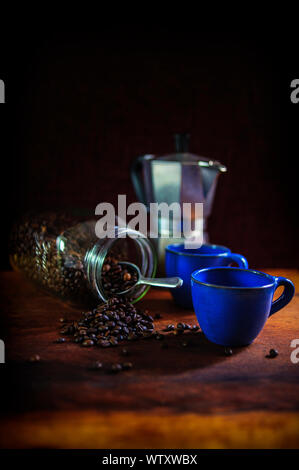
{"points": [[239, 259], [286, 296]]}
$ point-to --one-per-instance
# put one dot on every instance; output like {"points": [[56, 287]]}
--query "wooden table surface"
{"points": [[179, 397]]}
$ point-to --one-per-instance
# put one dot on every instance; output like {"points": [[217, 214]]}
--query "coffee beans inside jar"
{"points": [[117, 277], [40, 250], [66, 258]]}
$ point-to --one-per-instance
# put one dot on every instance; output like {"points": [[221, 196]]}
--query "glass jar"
{"points": [[66, 258]]}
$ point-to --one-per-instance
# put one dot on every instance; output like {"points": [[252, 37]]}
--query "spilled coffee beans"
{"points": [[110, 323]]}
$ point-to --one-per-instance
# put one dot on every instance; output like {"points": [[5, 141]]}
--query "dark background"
{"points": [[80, 107]]}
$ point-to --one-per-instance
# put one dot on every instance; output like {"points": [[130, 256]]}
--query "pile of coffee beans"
{"points": [[117, 277], [110, 323]]}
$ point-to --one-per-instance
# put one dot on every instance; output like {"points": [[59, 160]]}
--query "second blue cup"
{"points": [[180, 261]]}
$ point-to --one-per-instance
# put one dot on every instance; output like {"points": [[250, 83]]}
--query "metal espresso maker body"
{"points": [[176, 178]]}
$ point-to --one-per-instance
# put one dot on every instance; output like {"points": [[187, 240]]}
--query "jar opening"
{"points": [[129, 245]]}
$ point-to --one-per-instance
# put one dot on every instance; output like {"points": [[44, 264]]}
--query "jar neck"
{"points": [[93, 263]]}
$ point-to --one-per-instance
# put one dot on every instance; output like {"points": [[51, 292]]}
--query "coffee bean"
{"points": [[87, 343], [104, 343], [65, 331], [132, 336], [148, 334], [103, 329], [115, 368], [148, 317], [127, 365], [178, 331], [159, 337], [34, 358], [113, 341], [228, 351], [91, 330], [60, 340], [97, 365], [169, 328], [272, 354]]}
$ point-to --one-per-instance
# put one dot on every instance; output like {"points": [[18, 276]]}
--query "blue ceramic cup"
{"points": [[232, 305], [180, 261]]}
